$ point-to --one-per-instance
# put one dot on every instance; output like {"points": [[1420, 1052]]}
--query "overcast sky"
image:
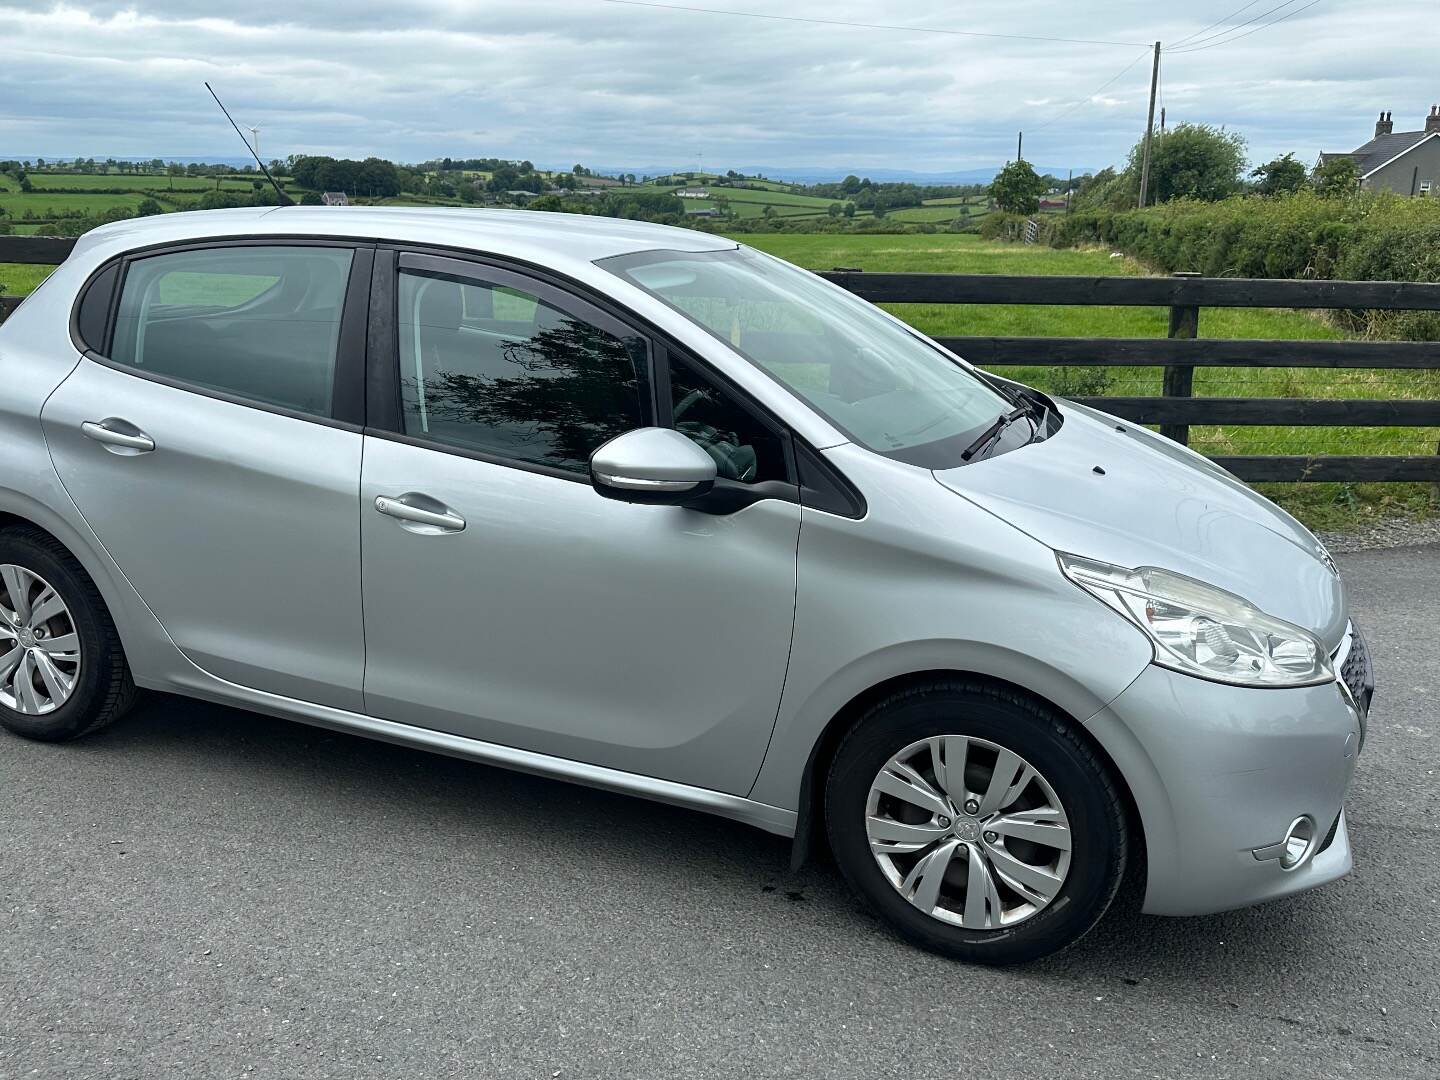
{"points": [[560, 81]]}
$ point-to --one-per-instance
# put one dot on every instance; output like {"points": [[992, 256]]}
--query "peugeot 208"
{"points": [[644, 509]]}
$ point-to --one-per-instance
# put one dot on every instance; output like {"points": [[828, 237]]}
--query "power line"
{"points": [[1238, 26], [1256, 30], [865, 25], [1212, 26], [1266, 26], [1088, 98]]}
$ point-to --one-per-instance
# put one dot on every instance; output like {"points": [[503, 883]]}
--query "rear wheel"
{"points": [[62, 670], [976, 821]]}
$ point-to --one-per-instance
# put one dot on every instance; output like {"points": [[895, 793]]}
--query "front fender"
{"points": [[929, 582]]}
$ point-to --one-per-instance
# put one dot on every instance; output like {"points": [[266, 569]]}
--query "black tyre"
{"points": [[62, 670], [977, 821]]}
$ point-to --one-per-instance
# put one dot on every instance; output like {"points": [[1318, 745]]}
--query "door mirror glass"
{"points": [[652, 465]]}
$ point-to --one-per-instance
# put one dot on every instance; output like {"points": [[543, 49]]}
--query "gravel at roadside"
{"points": [[1397, 532]]}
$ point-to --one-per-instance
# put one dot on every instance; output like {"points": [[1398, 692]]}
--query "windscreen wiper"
{"points": [[1038, 408], [993, 432]]}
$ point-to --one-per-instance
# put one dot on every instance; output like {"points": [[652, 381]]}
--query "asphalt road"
{"points": [[203, 893]]}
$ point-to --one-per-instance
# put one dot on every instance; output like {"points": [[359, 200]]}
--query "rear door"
{"points": [[505, 599], [212, 441]]}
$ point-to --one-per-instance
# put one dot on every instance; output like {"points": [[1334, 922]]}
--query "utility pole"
{"points": [[1149, 127], [1020, 147], [1162, 119], [1069, 184]]}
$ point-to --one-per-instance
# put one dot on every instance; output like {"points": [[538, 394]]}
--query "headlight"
{"points": [[1201, 630]]}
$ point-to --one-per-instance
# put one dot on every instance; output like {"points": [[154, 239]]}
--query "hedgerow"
{"points": [[1367, 237]]}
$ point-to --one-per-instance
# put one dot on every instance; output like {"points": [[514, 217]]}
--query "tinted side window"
{"points": [[94, 307], [258, 322], [744, 449], [490, 367]]}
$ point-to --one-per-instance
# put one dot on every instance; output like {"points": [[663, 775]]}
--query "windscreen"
{"points": [[875, 380]]}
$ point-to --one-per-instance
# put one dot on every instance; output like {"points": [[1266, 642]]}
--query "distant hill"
{"points": [[828, 175], [236, 160], [793, 175]]}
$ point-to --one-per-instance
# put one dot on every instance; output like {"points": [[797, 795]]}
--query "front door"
{"points": [[507, 601], [205, 452]]}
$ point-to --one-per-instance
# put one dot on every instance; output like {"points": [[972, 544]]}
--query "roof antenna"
{"points": [[285, 200]]}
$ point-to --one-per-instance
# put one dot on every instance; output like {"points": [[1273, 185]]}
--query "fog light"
{"points": [[1299, 844]]}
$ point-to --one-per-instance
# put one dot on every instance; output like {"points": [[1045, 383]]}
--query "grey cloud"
{"points": [[569, 80]]}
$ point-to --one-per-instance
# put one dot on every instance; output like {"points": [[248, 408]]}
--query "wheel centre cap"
{"points": [[968, 829], [27, 638]]}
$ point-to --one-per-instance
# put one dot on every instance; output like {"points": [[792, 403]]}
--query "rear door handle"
{"points": [[403, 507], [111, 431]]}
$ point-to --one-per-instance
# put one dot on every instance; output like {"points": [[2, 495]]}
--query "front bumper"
{"points": [[1220, 772]]}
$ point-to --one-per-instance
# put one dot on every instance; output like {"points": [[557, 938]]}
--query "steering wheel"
{"points": [[733, 461], [684, 404]]}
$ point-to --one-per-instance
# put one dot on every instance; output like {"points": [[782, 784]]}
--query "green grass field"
{"points": [[938, 215], [141, 183], [1320, 505], [14, 203], [748, 203], [958, 200], [21, 278]]}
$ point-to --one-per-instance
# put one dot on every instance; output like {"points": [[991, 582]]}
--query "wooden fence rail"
{"points": [[1178, 355]]}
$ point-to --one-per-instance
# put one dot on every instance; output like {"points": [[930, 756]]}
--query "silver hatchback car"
{"points": [[644, 509]]}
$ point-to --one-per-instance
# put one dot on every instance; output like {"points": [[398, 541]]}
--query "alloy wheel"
{"points": [[39, 644], [968, 832]]}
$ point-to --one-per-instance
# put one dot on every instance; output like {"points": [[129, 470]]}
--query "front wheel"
{"points": [[977, 822]]}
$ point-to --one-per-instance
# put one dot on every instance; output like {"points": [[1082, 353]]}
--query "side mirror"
{"points": [[658, 466]]}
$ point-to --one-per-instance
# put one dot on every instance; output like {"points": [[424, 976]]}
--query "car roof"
{"points": [[525, 234]]}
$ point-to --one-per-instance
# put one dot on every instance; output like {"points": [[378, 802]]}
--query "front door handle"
{"points": [[112, 431], [405, 508]]}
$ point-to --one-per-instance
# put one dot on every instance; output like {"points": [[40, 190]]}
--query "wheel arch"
{"points": [[809, 824], [120, 598]]}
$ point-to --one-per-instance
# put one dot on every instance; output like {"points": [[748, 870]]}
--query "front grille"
{"points": [[1356, 672]]}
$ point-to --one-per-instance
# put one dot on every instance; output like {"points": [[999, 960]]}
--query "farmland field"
{"points": [[141, 182], [934, 214], [14, 203], [747, 202]]}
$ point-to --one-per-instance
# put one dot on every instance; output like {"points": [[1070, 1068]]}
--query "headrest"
{"points": [[440, 306]]}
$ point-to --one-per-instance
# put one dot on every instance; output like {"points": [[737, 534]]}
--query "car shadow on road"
{"points": [[350, 783]]}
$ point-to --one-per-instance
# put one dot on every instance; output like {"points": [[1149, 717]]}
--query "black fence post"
{"points": [[1180, 378]]}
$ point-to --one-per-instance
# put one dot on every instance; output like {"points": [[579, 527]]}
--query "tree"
{"points": [[1336, 178], [149, 208], [377, 178], [1282, 176], [834, 210], [1016, 189], [849, 210], [1194, 161]]}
